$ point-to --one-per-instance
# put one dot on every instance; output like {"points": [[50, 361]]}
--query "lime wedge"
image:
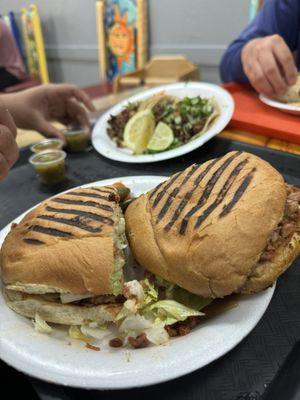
{"points": [[162, 138], [139, 130]]}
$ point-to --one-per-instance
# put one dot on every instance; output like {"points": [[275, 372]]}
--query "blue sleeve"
{"points": [[280, 17]]}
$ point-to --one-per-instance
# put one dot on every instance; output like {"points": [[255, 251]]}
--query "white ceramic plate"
{"points": [[60, 360], [105, 146], [287, 108]]}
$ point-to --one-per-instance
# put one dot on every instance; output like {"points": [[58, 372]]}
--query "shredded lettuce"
{"points": [[167, 311], [134, 324], [157, 334], [170, 311], [146, 314], [129, 307], [150, 294], [140, 300], [191, 300], [88, 332], [40, 325], [94, 333], [75, 333]]}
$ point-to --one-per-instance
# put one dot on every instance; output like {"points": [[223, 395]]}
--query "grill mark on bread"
{"points": [[104, 207], [175, 191], [155, 190], [167, 204], [222, 193], [95, 217], [112, 194], [84, 194], [34, 242], [206, 192], [50, 231], [112, 191], [87, 214], [83, 203], [190, 173], [238, 194], [164, 189], [72, 222], [188, 196]]}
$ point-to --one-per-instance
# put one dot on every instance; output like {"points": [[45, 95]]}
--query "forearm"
{"points": [[231, 68]]}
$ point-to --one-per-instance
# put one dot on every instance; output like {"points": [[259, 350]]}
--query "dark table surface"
{"points": [[241, 374]]}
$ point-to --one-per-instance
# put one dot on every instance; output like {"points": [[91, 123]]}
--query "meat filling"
{"points": [[97, 300], [87, 302], [289, 224], [117, 123], [184, 327]]}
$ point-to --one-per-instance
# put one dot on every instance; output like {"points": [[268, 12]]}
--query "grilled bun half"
{"points": [[208, 228], [71, 244]]}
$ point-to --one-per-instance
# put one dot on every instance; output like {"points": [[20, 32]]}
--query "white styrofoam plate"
{"points": [[105, 146], [60, 360], [285, 107]]}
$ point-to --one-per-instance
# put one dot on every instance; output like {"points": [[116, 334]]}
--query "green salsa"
{"points": [[48, 144], [77, 139], [50, 166]]}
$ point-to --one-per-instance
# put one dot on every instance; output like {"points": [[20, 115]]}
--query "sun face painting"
{"points": [[121, 38], [120, 22]]}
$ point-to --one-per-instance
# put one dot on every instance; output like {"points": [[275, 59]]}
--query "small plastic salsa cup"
{"points": [[77, 138], [50, 166], [47, 144]]}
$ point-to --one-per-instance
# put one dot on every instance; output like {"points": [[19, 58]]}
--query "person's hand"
{"points": [[269, 65], [9, 151], [36, 108]]}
